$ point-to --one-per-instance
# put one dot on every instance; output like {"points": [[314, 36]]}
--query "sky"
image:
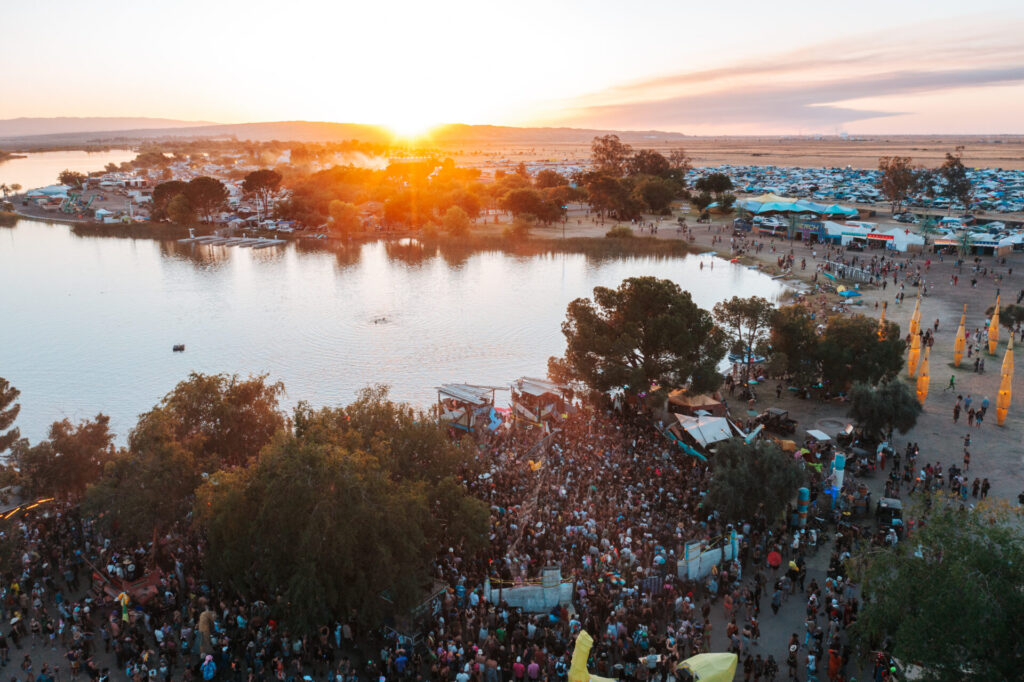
{"points": [[743, 67]]}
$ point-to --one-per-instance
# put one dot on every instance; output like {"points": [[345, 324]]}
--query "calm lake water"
{"points": [[40, 170], [88, 322]]}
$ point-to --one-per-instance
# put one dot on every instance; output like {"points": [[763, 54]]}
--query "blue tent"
{"points": [[849, 293]]}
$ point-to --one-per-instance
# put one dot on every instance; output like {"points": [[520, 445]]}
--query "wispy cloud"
{"points": [[810, 88]]}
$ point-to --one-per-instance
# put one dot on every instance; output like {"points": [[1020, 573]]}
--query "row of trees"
{"points": [[376, 484], [203, 197], [901, 179], [649, 332]]}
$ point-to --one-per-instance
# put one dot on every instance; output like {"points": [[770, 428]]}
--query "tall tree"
{"points": [[716, 183], [345, 218], [751, 478], [456, 222], [851, 352], [680, 164], [648, 162], [263, 184], [950, 599], [898, 181], [645, 332], [656, 193], [548, 178], [610, 155], [163, 194], [71, 458], [793, 335], [8, 413], [71, 178], [747, 321], [892, 405], [376, 487], [957, 185], [206, 196], [179, 210]]}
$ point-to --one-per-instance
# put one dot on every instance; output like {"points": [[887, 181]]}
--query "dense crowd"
{"points": [[606, 499]]}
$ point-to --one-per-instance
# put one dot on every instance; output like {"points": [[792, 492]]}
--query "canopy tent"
{"points": [[772, 203], [705, 431], [461, 405], [818, 435], [538, 401], [836, 209]]}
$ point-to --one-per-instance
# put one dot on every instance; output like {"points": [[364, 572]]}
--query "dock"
{"points": [[243, 242]]}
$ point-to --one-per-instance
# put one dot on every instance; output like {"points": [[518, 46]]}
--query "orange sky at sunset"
{"points": [[875, 67]]}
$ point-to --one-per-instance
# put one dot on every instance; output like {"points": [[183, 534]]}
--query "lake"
{"points": [[89, 322], [41, 169]]}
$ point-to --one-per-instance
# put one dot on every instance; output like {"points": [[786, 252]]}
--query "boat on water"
{"points": [[178, 348]]}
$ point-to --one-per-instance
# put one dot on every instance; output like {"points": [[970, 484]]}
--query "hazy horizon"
{"points": [[798, 69]]}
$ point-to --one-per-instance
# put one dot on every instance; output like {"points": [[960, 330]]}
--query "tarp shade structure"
{"points": [[711, 667], [1005, 385], [818, 435], [705, 430], [993, 329], [537, 387], [691, 403], [468, 393]]}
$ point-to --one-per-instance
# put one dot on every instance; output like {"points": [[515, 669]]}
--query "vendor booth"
{"points": [[467, 406], [538, 402]]}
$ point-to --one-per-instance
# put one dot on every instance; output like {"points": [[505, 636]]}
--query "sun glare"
{"points": [[410, 128]]}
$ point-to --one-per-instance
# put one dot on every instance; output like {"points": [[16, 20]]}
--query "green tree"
{"points": [[898, 181], [957, 184], [647, 331], [163, 194], [892, 405], [610, 155], [851, 351], [548, 178], [702, 200], [345, 218], [70, 459], [180, 211], [746, 321], [649, 162], [263, 184], [456, 222], [8, 413], [793, 335], [950, 598], [522, 201], [656, 193], [376, 487], [747, 478], [206, 196], [679, 166], [71, 178], [715, 183]]}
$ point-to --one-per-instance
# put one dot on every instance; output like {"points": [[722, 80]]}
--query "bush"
{"points": [[619, 232]]}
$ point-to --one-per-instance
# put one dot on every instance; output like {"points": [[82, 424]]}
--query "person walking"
{"points": [[952, 384]]}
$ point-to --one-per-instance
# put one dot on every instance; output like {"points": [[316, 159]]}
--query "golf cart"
{"points": [[889, 514], [777, 420]]}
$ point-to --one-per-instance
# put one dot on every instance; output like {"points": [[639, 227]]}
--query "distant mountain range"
{"points": [[23, 133]]}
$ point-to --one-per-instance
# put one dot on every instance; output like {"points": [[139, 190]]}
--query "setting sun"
{"points": [[410, 127]]}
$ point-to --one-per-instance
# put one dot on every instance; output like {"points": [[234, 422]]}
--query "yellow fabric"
{"points": [[1005, 385], [711, 667], [922, 378], [915, 355], [578, 667], [915, 319], [961, 339], [993, 330]]}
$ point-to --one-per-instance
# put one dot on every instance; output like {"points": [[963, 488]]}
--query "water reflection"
{"points": [[95, 320]]}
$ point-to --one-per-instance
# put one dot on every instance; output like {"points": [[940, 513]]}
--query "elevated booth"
{"points": [[538, 402], [680, 402], [467, 406]]}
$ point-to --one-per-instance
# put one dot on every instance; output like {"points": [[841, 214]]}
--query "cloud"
{"points": [[813, 87]]}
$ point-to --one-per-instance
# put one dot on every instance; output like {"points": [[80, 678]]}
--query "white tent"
{"points": [[705, 430]]}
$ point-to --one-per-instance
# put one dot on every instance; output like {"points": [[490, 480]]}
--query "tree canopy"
{"points": [[345, 218], [747, 478], [9, 410], [892, 405], [206, 196], [793, 335], [957, 185], [262, 184], [851, 351], [645, 332], [950, 598], [68, 460], [746, 321], [376, 486], [898, 181]]}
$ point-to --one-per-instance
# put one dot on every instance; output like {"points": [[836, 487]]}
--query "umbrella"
{"points": [[849, 293], [774, 559]]}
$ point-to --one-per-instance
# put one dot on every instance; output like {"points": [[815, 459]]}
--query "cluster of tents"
{"points": [[772, 203]]}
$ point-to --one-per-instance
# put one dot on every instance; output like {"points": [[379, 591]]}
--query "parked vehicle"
{"points": [[777, 420]]}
